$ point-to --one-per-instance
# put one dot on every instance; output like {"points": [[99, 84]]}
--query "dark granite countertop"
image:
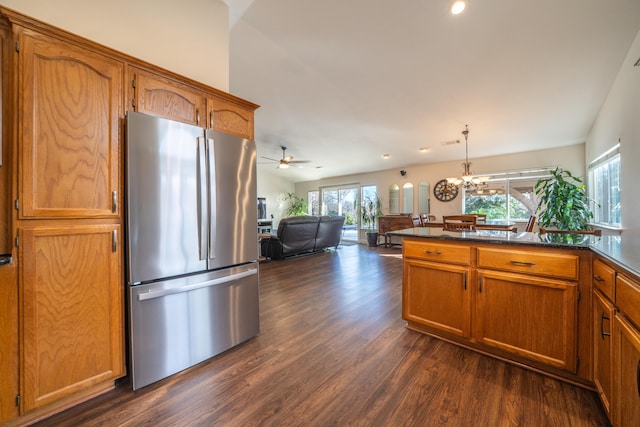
{"points": [[624, 252], [5, 259]]}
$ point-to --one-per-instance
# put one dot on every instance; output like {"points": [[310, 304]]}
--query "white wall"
{"points": [[188, 37], [275, 188], [619, 119], [571, 158]]}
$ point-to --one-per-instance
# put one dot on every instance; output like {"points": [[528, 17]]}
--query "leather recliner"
{"points": [[303, 234]]}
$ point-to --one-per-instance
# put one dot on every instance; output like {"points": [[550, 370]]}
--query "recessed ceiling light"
{"points": [[385, 156], [458, 7], [424, 149]]}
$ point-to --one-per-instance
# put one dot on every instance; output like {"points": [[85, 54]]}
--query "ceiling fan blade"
{"points": [[300, 161], [269, 158]]}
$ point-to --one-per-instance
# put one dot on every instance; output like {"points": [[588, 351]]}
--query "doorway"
{"points": [[342, 200]]}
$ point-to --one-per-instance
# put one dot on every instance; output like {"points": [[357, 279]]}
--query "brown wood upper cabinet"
{"points": [[69, 129], [229, 117], [161, 96]]}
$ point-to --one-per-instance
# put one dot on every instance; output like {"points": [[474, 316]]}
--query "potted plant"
{"points": [[562, 202], [297, 205], [370, 209]]}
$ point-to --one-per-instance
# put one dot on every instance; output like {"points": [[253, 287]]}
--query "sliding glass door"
{"points": [[342, 201]]}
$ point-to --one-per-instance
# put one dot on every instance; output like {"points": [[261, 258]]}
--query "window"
{"points": [[604, 188], [368, 192], [509, 196], [314, 202]]}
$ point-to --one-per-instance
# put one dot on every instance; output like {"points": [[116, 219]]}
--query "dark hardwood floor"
{"points": [[334, 351]]}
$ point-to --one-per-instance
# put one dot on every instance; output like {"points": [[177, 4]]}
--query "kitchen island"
{"points": [[563, 305]]}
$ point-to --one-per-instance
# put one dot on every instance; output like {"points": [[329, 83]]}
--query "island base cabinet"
{"points": [[626, 374], [72, 317], [532, 317], [437, 296], [603, 312]]}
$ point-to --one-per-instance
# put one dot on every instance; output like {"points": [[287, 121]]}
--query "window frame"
{"points": [[600, 169]]}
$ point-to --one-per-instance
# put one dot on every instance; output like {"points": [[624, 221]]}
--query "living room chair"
{"points": [[459, 222]]}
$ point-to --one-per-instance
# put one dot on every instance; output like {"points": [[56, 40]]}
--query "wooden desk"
{"points": [[388, 223]]}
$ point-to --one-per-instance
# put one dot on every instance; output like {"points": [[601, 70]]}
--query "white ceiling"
{"points": [[340, 82]]}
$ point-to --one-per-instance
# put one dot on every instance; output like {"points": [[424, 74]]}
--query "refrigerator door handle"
{"points": [[203, 220], [164, 292], [211, 160]]}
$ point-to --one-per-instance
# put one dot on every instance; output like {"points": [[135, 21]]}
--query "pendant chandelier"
{"points": [[468, 181]]}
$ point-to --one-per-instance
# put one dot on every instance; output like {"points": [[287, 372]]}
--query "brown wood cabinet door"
{"points": [[71, 310], [626, 374], [9, 381], [531, 317], [71, 103], [437, 296], [603, 312], [228, 117], [159, 96]]}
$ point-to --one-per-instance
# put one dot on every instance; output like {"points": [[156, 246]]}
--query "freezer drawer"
{"points": [[178, 323]]}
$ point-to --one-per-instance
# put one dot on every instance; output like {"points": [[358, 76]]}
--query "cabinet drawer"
{"points": [[628, 298], [537, 263], [604, 278], [437, 252]]}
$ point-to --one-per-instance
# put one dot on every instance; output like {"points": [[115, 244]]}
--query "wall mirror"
{"points": [[394, 196], [407, 198]]}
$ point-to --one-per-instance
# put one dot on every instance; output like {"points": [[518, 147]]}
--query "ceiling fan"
{"points": [[286, 160]]}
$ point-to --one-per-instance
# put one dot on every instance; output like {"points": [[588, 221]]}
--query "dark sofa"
{"points": [[303, 234]]}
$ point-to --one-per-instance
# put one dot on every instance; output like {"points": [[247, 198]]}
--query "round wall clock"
{"points": [[444, 191]]}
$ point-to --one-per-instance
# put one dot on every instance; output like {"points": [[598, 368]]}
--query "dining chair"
{"points": [[480, 217], [593, 232], [459, 222], [424, 219], [415, 219], [531, 224]]}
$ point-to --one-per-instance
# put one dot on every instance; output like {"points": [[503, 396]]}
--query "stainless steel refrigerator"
{"points": [[191, 244]]}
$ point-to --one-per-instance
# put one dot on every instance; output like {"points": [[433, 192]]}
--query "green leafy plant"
{"points": [[369, 210], [349, 219], [297, 205], [562, 202]]}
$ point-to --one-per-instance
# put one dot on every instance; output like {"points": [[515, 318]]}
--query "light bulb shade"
{"points": [[467, 178], [454, 181], [458, 7]]}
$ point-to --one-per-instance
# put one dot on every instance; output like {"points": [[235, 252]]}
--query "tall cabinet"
{"points": [[62, 299], [9, 380], [69, 239]]}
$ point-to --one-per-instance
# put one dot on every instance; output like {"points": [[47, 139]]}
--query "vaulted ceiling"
{"points": [[341, 83]]}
